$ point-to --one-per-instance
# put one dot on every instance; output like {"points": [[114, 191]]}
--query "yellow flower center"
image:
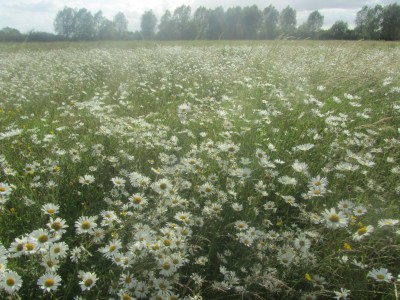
{"points": [[317, 183], [167, 243], [56, 226], [112, 248], [86, 225], [50, 263], [362, 231], [380, 276], [51, 211], [49, 282], [334, 218], [30, 246], [88, 282], [137, 200], [128, 279], [3, 189], [163, 186], [126, 297], [10, 281], [43, 238], [317, 192], [166, 266]]}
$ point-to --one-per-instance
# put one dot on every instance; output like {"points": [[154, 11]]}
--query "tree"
{"points": [[270, 18], [148, 25], [121, 24], [180, 21], [166, 30], [391, 22], [98, 20], [251, 21], [233, 28], [215, 27], [107, 30], [312, 27], [287, 20], [8, 34], [369, 22], [84, 25], [200, 20], [315, 21], [64, 23], [339, 30]]}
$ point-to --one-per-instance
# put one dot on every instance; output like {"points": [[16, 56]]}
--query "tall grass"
{"points": [[216, 170]]}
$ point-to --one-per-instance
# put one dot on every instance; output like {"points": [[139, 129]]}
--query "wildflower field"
{"points": [[260, 170]]}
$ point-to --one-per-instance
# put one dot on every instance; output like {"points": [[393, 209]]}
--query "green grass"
{"points": [[112, 110]]}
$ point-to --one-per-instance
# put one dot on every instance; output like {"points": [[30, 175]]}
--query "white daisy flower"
{"points": [[50, 208], [11, 282], [5, 189], [387, 222], [334, 219], [86, 179], [118, 182], [49, 282], [162, 186], [363, 232], [380, 275], [85, 225], [88, 280], [112, 248]]}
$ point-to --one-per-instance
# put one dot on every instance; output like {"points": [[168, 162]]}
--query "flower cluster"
{"points": [[177, 172]]}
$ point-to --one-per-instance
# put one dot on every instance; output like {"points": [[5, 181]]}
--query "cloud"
{"points": [[28, 6]]}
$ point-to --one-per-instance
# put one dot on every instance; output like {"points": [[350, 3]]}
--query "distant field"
{"points": [[200, 170]]}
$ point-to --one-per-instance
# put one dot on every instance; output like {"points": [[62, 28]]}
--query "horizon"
{"points": [[41, 14]]}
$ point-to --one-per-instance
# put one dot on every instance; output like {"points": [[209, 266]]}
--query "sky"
{"points": [[38, 15]]}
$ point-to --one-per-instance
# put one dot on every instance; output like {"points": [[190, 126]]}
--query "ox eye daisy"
{"points": [[49, 282], [58, 250], [380, 275], [41, 237], [11, 282], [85, 225], [88, 280], [86, 179], [334, 219], [112, 248], [363, 232], [50, 208], [387, 222], [138, 201], [118, 182], [57, 225], [162, 186], [5, 189]]}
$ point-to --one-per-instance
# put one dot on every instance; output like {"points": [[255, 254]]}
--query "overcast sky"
{"points": [[39, 15]]}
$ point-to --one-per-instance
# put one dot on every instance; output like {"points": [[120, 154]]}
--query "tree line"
{"points": [[235, 23]]}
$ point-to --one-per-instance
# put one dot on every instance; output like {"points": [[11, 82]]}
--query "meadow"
{"points": [[200, 170]]}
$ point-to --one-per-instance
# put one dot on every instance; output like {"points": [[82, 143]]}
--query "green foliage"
{"points": [[287, 21], [391, 22], [279, 160], [148, 25], [80, 24]]}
